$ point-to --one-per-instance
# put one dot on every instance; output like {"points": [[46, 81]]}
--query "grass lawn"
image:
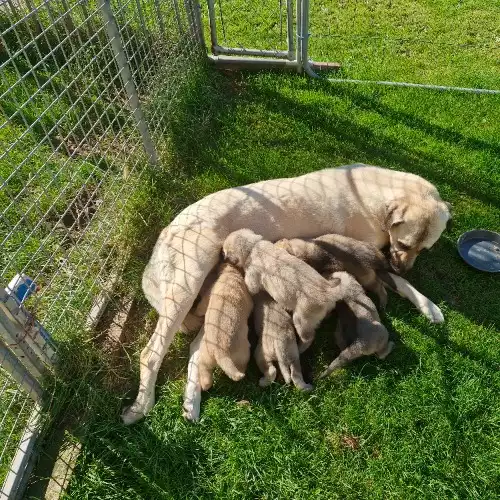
{"points": [[422, 424], [425, 422]]}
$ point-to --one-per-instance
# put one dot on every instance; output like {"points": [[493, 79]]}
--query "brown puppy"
{"points": [[277, 342], [225, 340], [359, 330], [333, 252], [292, 283]]}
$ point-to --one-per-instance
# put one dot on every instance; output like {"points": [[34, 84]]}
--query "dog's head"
{"points": [[238, 245], [414, 224]]}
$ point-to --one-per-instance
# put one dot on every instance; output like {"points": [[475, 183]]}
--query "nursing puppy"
{"points": [[359, 330], [292, 283], [225, 339], [332, 253], [377, 205], [277, 343]]}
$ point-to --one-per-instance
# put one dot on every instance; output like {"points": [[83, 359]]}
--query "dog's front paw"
{"points": [[191, 413], [191, 406], [136, 412], [433, 313]]}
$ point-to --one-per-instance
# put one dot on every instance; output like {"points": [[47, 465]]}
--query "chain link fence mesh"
{"points": [[72, 152], [260, 24]]}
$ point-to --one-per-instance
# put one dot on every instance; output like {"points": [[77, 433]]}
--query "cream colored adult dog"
{"points": [[368, 203]]}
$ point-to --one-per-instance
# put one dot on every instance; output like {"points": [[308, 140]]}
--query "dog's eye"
{"points": [[403, 246]]}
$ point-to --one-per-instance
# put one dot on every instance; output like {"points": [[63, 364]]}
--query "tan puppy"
{"points": [[292, 283], [277, 342], [359, 330], [372, 204], [225, 340], [333, 252]]}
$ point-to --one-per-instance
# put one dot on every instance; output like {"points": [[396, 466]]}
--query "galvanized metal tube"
{"points": [[19, 373], [213, 27], [289, 30], [417, 86], [252, 63], [127, 80], [241, 51], [298, 22]]}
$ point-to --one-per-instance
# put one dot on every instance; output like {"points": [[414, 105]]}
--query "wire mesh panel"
{"points": [[79, 125], [443, 42], [258, 24], [16, 406]]}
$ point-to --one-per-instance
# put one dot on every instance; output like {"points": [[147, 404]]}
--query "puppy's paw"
{"points": [[306, 387], [388, 349], [264, 381], [433, 313]]}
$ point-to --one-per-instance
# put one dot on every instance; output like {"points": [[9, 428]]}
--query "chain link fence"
{"points": [[80, 122]]}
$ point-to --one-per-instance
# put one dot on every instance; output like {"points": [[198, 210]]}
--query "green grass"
{"points": [[422, 424]]}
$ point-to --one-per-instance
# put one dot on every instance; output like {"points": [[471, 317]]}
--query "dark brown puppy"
{"points": [[334, 253], [359, 330]]}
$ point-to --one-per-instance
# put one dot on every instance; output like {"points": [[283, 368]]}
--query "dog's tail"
{"points": [[230, 369]]}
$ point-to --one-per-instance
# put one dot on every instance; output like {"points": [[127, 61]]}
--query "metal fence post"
{"points": [[213, 28], [289, 30], [298, 30], [127, 79]]}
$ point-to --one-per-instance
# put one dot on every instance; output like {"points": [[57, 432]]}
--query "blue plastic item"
{"points": [[481, 249]]}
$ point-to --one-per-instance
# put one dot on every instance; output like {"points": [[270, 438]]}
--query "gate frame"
{"points": [[295, 58]]}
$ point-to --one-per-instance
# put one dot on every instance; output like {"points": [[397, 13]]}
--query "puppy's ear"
{"points": [[449, 222], [395, 213], [334, 281]]}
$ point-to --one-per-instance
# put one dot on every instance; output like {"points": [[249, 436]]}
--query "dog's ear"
{"points": [[395, 212], [449, 222], [334, 281]]}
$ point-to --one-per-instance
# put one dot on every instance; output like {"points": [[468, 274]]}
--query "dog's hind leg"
{"points": [[298, 378], [306, 318], [192, 392], [386, 350], [267, 368], [179, 265], [354, 351]]}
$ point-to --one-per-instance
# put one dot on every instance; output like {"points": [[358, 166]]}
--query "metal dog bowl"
{"points": [[481, 249]]}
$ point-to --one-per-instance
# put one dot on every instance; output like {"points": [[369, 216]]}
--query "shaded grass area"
{"points": [[424, 423]]}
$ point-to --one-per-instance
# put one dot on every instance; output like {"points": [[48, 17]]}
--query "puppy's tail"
{"points": [[230, 369]]}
